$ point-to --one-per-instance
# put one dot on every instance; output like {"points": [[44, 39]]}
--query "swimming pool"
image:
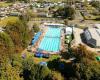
{"points": [[51, 40]]}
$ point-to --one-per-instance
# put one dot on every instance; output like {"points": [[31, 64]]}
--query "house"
{"points": [[92, 37]]}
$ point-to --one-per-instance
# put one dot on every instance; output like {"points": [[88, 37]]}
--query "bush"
{"points": [[18, 31], [6, 44]]}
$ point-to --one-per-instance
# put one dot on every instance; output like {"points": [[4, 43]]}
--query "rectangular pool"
{"points": [[51, 40]]}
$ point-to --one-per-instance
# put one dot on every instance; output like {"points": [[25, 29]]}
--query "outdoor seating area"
{"points": [[68, 34], [41, 55]]}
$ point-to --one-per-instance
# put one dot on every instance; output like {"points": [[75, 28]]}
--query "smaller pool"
{"points": [[51, 40]]}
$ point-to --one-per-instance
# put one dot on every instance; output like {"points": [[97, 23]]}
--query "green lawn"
{"points": [[4, 4], [54, 57]]}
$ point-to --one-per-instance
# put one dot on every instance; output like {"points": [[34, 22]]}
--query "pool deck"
{"points": [[36, 45], [63, 49]]}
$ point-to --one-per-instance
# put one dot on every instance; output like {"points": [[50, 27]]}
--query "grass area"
{"points": [[97, 17], [89, 7], [54, 57], [6, 20], [5, 4], [89, 17]]}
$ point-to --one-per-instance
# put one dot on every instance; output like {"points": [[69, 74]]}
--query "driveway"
{"points": [[77, 35]]}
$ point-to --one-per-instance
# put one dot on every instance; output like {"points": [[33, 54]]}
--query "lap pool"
{"points": [[51, 40]]}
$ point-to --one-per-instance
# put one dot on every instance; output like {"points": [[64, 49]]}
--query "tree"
{"points": [[7, 72], [33, 71], [6, 44], [18, 32], [95, 4], [16, 68], [81, 51], [70, 12], [87, 70], [30, 14], [36, 27], [86, 67], [65, 12]]}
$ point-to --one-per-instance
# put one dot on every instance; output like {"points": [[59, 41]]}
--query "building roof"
{"points": [[95, 34], [68, 30], [53, 24]]}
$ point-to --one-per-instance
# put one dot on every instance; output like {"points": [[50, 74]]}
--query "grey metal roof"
{"points": [[93, 33], [88, 35]]}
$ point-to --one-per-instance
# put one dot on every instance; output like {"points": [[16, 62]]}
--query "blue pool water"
{"points": [[51, 40]]}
